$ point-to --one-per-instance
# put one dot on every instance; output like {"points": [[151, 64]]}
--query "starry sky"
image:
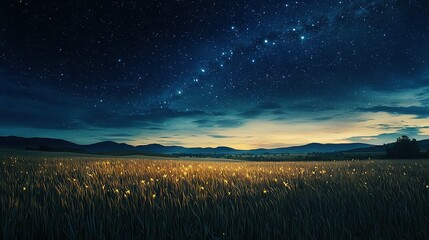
{"points": [[244, 74]]}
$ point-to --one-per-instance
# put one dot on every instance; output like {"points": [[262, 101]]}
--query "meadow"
{"points": [[95, 197]]}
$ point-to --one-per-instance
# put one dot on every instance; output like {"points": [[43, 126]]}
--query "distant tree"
{"points": [[405, 148]]}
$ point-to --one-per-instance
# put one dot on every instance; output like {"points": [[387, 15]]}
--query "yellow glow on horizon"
{"points": [[261, 133]]}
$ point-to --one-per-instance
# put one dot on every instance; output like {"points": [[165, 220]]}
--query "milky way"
{"points": [[209, 73]]}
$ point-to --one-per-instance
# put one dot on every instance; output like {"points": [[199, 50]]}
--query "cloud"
{"points": [[264, 109], [164, 114], [386, 127], [153, 128], [119, 135], [424, 101], [323, 118], [170, 142], [219, 123], [49, 119], [33, 105], [412, 132], [419, 111], [219, 136], [269, 105], [150, 118], [116, 139], [252, 113]]}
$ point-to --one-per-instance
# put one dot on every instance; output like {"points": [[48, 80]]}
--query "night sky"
{"points": [[245, 74]]}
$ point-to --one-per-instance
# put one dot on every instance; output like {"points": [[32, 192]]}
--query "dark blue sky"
{"points": [[207, 73]]}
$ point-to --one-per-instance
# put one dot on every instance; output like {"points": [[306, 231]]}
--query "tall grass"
{"points": [[96, 198]]}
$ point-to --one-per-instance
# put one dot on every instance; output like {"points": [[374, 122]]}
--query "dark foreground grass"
{"points": [[90, 198]]}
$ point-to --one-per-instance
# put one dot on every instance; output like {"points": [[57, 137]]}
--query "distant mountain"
{"points": [[319, 147], [50, 144], [160, 149], [38, 144], [372, 149], [108, 146]]}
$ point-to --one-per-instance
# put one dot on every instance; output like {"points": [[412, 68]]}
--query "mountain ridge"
{"points": [[104, 147]]}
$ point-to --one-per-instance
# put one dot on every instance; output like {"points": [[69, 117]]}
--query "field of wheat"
{"points": [[113, 198]]}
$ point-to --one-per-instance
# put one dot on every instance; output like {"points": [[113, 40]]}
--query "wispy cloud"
{"points": [[419, 111], [219, 136]]}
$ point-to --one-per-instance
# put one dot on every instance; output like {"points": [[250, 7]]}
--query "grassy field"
{"points": [[90, 197]]}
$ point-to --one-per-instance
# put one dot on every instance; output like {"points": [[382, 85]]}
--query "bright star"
{"points": [[302, 37], [265, 41]]}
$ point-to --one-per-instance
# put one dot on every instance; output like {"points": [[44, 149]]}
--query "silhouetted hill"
{"points": [[321, 148], [160, 149], [38, 144], [50, 144], [108, 146], [157, 148]]}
